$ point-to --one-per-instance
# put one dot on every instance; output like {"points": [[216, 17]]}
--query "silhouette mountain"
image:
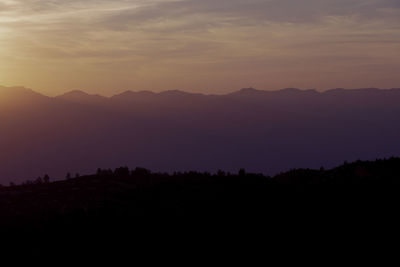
{"points": [[262, 131]]}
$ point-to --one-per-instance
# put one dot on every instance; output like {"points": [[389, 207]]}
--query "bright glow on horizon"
{"points": [[107, 46]]}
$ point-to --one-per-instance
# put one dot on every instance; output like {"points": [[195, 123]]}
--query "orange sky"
{"points": [[208, 46]]}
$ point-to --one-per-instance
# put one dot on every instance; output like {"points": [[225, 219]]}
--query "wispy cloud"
{"points": [[174, 43]]}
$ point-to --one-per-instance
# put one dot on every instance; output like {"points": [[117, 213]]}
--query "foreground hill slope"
{"points": [[124, 196], [125, 213]]}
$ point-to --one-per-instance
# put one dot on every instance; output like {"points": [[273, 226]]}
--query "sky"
{"points": [[206, 46]]}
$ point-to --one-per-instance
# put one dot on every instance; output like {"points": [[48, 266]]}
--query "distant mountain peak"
{"points": [[247, 91], [252, 91], [19, 91], [176, 93], [297, 91], [75, 93], [130, 93], [290, 89], [144, 92], [359, 90], [79, 93], [81, 96], [124, 93]]}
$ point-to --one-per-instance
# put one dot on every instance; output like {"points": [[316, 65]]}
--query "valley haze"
{"points": [[262, 131]]}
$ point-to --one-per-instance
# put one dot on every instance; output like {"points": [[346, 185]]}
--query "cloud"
{"points": [[154, 37], [255, 11]]}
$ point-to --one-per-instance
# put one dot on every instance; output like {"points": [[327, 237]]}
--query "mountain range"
{"points": [[261, 131]]}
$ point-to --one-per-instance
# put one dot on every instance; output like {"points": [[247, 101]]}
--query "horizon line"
{"points": [[321, 91]]}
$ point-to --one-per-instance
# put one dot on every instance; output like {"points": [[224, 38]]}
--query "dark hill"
{"points": [[139, 193], [126, 212]]}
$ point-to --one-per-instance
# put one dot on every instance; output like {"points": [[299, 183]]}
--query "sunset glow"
{"points": [[217, 46]]}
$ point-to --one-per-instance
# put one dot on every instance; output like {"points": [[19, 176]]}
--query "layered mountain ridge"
{"points": [[261, 131]]}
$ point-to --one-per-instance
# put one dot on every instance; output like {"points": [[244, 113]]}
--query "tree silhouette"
{"points": [[122, 172], [140, 171], [46, 179], [221, 173]]}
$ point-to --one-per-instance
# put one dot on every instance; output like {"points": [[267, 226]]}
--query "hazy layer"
{"points": [[171, 131]]}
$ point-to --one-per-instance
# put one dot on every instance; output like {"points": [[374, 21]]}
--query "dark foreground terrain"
{"points": [[140, 207]]}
